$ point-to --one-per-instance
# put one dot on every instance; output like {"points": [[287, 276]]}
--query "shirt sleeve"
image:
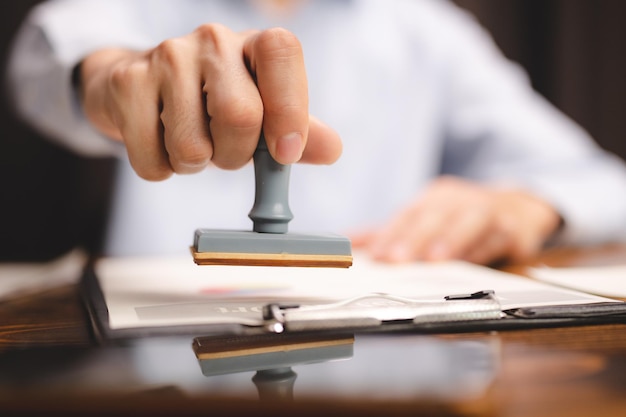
{"points": [[55, 37], [498, 130]]}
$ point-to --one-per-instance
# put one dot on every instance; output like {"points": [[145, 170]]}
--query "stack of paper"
{"points": [[144, 292]]}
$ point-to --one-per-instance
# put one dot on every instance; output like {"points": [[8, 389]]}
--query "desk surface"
{"points": [[50, 362]]}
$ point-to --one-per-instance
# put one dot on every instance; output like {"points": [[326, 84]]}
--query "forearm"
{"points": [[500, 131], [41, 89], [55, 37]]}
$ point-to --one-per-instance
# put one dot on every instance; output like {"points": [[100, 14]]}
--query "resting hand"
{"points": [[457, 219], [204, 98]]}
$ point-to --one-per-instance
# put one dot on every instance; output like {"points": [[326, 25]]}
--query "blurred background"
{"points": [[573, 50]]}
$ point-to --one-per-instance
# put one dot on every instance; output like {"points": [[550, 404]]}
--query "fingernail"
{"points": [[194, 167], [289, 148]]}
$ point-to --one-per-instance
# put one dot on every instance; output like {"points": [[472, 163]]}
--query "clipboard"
{"points": [[371, 313]]}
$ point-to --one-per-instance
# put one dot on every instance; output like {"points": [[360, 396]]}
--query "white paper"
{"points": [[144, 292], [609, 281]]}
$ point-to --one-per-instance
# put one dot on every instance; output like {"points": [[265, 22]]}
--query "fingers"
{"points": [[135, 113], [212, 110], [323, 145], [205, 97], [437, 235], [408, 235], [276, 61], [211, 107], [439, 225], [185, 132], [362, 239], [233, 102], [456, 219], [463, 230], [120, 99]]}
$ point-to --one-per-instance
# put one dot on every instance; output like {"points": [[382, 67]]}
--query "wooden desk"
{"points": [[49, 363]]}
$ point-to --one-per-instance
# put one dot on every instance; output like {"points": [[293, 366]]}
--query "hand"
{"points": [[204, 98], [457, 219]]}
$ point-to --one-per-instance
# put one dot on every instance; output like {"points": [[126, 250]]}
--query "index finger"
{"points": [[276, 61]]}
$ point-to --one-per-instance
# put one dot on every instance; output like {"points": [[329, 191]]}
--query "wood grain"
{"points": [[52, 318], [573, 371]]}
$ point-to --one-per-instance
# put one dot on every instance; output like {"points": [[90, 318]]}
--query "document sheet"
{"points": [[609, 280], [146, 292]]}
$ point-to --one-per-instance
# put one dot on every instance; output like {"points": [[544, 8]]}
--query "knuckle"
{"points": [[171, 52], [214, 39], [125, 78], [240, 113], [212, 32]]}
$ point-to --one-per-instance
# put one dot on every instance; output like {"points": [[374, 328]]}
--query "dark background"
{"points": [[50, 199], [573, 50]]}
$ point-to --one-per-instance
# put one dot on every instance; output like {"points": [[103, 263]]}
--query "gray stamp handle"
{"points": [[270, 212]]}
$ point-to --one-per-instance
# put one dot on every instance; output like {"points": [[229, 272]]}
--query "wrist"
{"points": [[532, 221]]}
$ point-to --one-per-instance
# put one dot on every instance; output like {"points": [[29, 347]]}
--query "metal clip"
{"points": [[378, 309]]}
